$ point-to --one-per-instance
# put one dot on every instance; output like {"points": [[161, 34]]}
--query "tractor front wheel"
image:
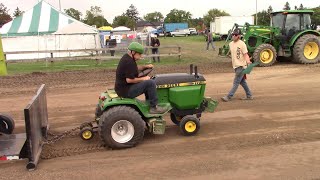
{"points": [[265, 54], [189, 125], [121, 127], [6, 124], [175, 119], [306, 49], [86, 133]]}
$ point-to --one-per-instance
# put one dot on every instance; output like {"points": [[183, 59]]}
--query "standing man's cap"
{"points": [[236, 31]]}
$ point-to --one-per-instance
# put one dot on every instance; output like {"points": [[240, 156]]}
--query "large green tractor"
{"points": [[122, 122], [290, 35]]}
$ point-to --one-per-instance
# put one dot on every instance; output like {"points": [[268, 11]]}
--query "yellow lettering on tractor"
{"points": [[3, 66], [181, 84]]}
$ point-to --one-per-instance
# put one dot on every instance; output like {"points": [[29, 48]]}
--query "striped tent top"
{"points": [[41, 19]]}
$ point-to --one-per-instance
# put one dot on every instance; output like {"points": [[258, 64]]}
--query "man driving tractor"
{"points": [[128, 83]]}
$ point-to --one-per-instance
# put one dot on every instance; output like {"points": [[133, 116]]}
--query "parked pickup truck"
{"points": [[180, 32]]}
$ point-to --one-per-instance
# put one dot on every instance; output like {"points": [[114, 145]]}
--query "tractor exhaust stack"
{"points": [[191, 69]]}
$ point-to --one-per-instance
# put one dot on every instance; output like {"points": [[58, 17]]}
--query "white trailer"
{"points": [[223, 24]]}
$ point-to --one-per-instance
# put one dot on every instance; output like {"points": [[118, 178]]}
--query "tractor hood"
{"points": [[179, 79]]}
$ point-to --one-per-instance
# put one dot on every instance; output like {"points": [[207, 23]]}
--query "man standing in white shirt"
{"points": [[240, 60]]}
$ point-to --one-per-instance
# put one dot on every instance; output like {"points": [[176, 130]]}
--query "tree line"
{"points": [[129, 18]]}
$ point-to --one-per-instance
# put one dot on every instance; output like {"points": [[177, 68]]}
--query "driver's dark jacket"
{"points": [[127, 68]]}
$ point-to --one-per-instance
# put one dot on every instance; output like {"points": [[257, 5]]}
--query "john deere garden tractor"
{"points": [[290, 35], [122, 122]]}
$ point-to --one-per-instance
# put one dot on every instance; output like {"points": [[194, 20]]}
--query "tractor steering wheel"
{"points": [[145, 72]]}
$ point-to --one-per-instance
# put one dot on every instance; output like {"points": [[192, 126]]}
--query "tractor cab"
{"points": [[291, 22]]}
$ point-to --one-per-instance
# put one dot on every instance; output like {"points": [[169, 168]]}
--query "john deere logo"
{"points": [[181, 84]]}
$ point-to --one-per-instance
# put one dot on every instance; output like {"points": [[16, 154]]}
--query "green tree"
{"points": [[4, 15], [17, 12], [177, 16], [73, 13], [301, 7], [263, 18], [286, 6], [153, 17], [270, 10], [315, 18], [196, 23], [95, 17], [124, 20], [132, 13], [211, 14]]}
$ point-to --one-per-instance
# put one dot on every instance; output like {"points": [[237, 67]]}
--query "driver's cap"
{"points": [[236, 31]]}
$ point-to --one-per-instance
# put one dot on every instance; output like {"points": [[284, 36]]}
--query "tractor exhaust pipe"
{"points": [[191, 69], [196, 71]]}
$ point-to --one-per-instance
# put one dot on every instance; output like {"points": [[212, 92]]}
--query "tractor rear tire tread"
{"points": [[298, 55], [114, 114]]}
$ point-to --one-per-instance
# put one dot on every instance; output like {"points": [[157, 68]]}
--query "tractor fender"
{"points": [[142, 108], [297, 36]]}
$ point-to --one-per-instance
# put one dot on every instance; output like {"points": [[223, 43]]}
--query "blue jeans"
{"points": [[148, 88], [212, 44], [155, 51], [239, 79]]}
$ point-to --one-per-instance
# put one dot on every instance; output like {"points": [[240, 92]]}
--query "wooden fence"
{"points": [[94, 54]]}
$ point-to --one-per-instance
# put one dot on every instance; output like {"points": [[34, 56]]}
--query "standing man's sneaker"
{"points": [[247, 98], [226, 98], [157, 110]]}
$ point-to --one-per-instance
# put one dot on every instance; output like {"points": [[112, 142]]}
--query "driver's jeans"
{"points": [[148, 88]]}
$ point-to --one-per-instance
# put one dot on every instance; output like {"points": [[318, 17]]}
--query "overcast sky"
{"points": [[197, 8]]}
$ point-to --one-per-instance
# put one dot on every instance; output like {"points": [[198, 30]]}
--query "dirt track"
{"points": [[275, 136]]}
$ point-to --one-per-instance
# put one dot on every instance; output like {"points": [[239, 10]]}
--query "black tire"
{"points": [[271, 55], [175, 119], [116, 115], [189, 125], [7, 124], [308, 40], [86, 133]]}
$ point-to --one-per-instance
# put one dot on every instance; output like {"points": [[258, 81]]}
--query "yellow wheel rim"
{"points": [[87, 134], [311, 50], [190, 126], [266, 56]]}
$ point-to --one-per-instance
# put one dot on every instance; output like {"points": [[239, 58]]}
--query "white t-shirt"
{"points": [[238, 49]]}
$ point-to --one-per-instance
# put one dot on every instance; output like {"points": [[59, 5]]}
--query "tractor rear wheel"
{"points": [[306, 49], [6, 124], [121, 127], [265, 54], [189, 125]]}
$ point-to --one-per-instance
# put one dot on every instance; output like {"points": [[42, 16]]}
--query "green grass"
{"points": [[193, 51]]}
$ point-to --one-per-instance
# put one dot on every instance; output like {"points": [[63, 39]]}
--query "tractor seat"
{"points": [[174, 78]]}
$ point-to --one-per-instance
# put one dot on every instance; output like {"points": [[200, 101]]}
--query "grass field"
{"points": [[193, 51]]}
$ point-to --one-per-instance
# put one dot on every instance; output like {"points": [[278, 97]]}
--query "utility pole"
{"points": [[59, 5]]}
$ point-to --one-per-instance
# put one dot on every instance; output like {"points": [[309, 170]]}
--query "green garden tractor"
{"points": [[122, 122], [291, 34]]}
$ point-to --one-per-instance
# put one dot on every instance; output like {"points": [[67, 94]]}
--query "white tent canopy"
{"points": [[77, 28], [45, 28], [121, 28]]}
